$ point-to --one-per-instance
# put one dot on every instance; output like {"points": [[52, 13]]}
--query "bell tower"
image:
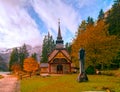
{"points": [[59, 41]]}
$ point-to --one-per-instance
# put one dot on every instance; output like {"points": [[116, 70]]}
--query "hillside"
{"points": [[5, 55]]}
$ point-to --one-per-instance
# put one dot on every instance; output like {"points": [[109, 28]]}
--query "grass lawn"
{"points": [[68, 83]]}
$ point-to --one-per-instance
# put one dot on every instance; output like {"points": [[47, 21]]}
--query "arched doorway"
{"points": [[59, 69]]}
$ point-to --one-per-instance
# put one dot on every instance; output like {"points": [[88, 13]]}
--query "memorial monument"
{"points": [[82, 77]]}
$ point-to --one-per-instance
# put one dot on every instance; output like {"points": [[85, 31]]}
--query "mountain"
{"points": [[4, 61], [37, 50], [5, 55]]}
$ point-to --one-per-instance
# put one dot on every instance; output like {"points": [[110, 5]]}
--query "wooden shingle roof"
{"points": [[56, 51]]}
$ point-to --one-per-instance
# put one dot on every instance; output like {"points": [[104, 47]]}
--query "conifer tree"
{"points": [[117, 1], [48, 46], [23, 53], [14, 58], [68, 47], [17, 56], [90, 21], [101, 15], [113, 19]]}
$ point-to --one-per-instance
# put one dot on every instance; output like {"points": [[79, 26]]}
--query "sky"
{"points": [[28, 21]]}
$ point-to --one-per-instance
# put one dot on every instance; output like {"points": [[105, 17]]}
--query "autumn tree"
{"points": [[30, 65], [82, 27], [16, 68], [100, 47]]}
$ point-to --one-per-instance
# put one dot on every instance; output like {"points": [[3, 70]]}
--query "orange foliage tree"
{"points": [[99, 45], [30, 65], [16, 68]]}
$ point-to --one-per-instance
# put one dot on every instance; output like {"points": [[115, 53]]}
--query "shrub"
{"points": [[90, 70]]}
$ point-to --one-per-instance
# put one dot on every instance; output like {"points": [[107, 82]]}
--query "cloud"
{"points": [[67, 10], [50, 10], [16, 26], [108, 5], [27, 21]]}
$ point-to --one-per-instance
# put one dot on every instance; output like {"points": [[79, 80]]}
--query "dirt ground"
{"points": [[9, 83]]}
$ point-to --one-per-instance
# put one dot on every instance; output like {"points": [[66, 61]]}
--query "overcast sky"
{"points": [[27, 21]]}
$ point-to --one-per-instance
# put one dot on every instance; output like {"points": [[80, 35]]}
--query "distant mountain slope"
{"points": [[37, 50], [4, 61], [5, 55]]}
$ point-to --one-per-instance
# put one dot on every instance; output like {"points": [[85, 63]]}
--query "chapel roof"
{"points": [[56, 51]]}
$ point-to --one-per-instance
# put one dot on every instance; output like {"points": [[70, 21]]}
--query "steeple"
{"points": [[59, 31], [59, 41]]}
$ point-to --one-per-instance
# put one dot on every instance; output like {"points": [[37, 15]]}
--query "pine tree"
{"points": [[23, 54], [68, 47], [14, 58], [101, 15], [48, 46], [117, 2], [44, 50], [17, 56], [90, 21], [113, 19]]}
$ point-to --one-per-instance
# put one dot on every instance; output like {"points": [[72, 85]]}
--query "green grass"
{"points": [[68, 83], [112, 72]]}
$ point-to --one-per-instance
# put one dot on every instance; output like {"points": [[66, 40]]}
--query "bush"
{"points": [[90, 70]]}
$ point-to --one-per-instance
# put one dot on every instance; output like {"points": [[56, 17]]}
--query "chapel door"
{"points": [[59, 69]]}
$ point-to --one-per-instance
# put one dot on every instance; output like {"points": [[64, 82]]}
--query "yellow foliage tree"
{"points": [[99, 45], [30, 65]]}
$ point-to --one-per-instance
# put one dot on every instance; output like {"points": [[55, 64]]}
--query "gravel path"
{"points": [[9, 84]]}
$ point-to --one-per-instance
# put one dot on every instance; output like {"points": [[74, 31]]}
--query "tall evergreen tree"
{"points": [[44, 50], [113, 19], [90, 21], [68, 47], [23, 54], [48, 46], [17, 56], [101, 15], [14, 58], [117, 1]]}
